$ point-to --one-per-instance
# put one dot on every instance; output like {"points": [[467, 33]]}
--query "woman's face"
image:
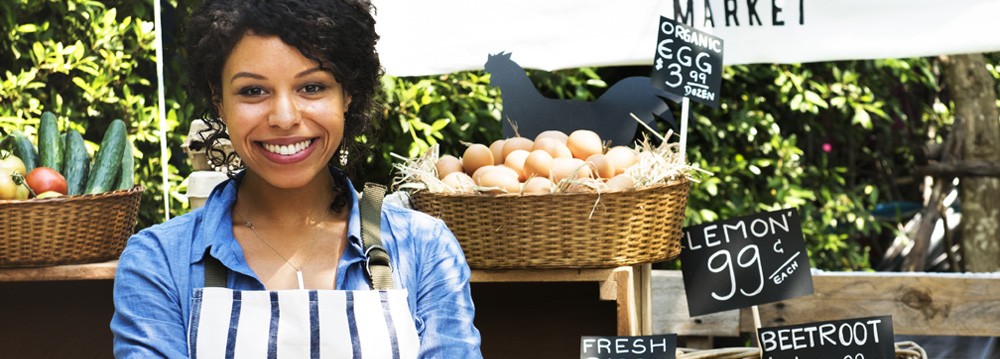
{"points": [[285, 115]]}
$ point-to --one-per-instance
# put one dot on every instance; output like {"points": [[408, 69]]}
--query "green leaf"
{"points": [[861, 117], [27, 28]]}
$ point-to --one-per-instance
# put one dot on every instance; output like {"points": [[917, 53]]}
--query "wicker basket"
{"points": [[563, 230], [68, 229]]}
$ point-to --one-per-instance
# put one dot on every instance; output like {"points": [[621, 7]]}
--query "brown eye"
{"points": [[313, 88], [251, 91]]}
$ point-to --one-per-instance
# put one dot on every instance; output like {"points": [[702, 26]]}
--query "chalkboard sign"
{"points": [[861, 338], [688, 62], [634, 347], [745, 261]]}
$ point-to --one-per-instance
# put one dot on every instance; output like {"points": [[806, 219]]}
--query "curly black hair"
{"points": [[338, 34]]}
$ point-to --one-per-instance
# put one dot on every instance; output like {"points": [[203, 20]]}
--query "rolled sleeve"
{"points": [[148, 320], [444, 300]]}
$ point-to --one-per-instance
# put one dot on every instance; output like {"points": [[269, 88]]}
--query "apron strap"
{"points": [[377, 266], [215, 272]]}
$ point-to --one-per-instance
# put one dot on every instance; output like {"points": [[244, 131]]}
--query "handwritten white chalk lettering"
{"points": [[624, 345], [786, 269], [833, 335], [727, 265], [691, 36], [758, 228]]}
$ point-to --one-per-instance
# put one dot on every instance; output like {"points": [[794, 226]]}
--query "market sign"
{"points": [[745, 261], [860, 338], [688, 62], [630, 347]]}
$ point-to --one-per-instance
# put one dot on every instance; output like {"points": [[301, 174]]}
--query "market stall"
{"points": [[563, 218]]}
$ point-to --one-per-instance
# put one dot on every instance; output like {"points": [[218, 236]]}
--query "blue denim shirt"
{"points": [[162, 265]]}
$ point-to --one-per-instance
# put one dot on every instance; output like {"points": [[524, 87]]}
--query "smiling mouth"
{"points": [[287, 150]]}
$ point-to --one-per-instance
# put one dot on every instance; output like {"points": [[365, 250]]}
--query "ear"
{"points": [[347, 101], [216, 100]]}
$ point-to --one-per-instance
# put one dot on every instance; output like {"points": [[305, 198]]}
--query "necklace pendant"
{"points": [[298, 274]]}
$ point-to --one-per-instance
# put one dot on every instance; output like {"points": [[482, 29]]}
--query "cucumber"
{"points": [[126, 175], [50, 152], [107, 161], [19, 144], [76, 163]]}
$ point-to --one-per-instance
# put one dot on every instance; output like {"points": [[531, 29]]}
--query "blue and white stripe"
{"points": [[301, 324]]}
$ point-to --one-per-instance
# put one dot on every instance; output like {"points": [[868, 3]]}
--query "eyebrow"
{"points": [[260, 77]]}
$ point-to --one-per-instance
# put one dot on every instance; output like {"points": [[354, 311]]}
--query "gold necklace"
{"points": [[298, 272]]}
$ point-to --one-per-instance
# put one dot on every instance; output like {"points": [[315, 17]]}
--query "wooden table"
{"points": [[57, 312], [90, 271], [627, 286], [71, 306]]}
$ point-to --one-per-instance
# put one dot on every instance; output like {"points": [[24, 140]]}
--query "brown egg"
{"points": [[620, 183], [602, 165], [623, 157], [553, 147], [538, 164], [517, 143], [459, 182], [477, 155], [516, 161], [537, 185], [508, 170], [497, 148], [553, 134], [448, 164], [584, 143], [563, 168], [479, 172], [501, 177]]}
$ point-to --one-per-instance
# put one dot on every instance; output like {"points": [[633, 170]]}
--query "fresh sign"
{"points": [[631, 347]]}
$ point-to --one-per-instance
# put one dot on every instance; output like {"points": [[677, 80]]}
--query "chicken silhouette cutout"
{"points": [[609, 115]]}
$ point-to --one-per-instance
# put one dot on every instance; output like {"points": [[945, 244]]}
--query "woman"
{"points": [[292, 82]]}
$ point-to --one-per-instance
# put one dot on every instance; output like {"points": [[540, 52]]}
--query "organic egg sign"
{"points": [[688, 62], [745, 261]]}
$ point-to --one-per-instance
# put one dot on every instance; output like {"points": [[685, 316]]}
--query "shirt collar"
{"points": [[215, 235]]}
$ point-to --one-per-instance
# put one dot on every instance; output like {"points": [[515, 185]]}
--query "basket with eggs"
{"points": [[554, 201]]}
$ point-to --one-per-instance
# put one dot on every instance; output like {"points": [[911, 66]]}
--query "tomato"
{"points": [[10, 162], [44, 179], [10, 187]]}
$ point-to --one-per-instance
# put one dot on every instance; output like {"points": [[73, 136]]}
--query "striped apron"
{"points": [[226, 323]]}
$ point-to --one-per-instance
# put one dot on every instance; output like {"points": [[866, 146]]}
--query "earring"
{"points": [[343, 155]]}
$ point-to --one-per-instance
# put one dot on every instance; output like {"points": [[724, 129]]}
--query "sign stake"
{"points": [[685, 103], [756, 325], [756, 317]]}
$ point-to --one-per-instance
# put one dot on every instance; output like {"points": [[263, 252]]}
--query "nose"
{"points": [[285, 113]]}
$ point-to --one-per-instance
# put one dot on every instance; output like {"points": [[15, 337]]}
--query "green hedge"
{"points": [[832, 139]]}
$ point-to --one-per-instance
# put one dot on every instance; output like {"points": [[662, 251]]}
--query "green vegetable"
{"points": [[76, 163], [49, 147], [126, 176], [19, 144], [107, 161]]}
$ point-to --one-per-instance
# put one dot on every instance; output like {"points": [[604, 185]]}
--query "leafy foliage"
{"points": [[831, 139]]}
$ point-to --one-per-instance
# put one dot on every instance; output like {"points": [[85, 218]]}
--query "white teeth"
{"points": [[286, 150]]}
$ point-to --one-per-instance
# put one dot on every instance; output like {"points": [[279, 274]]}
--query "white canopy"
{"points": [[442, 36]]}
